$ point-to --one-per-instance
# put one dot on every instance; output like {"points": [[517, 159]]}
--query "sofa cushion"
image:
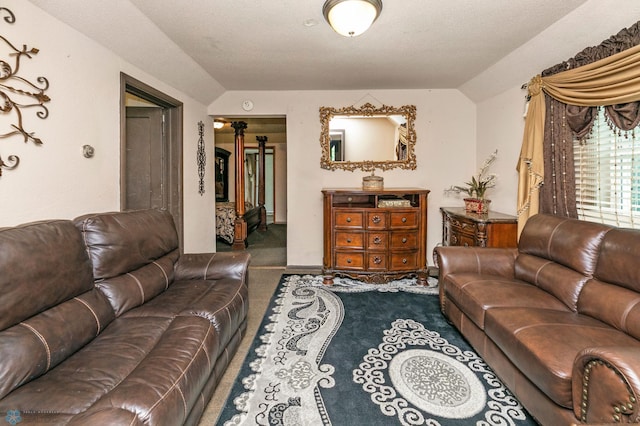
{"points": [[474, 294], [563, 283], [49, 308], [222, 302], [120, 242], [620, 308], [133, 254], [152, 367], [618, 257], [543, 344], [136, 287], [572, 243], [49, 262]]}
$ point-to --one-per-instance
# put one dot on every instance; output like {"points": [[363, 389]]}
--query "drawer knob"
{"points": [[348, 220], [377, 240], [377, 260], [348, 260], [376, 219], [404, 219], [404, 240], [404, 260], [349, 199], [348, 240]]}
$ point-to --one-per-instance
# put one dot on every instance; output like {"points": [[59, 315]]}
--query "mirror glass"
{"points": [[368, 138]]}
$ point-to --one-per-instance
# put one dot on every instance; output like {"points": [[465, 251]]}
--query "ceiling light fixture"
{"points": [[218, 124], [351, 18]]}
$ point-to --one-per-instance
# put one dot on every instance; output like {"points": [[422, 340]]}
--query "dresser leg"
{"points": [[422, 278], [327, 279]]}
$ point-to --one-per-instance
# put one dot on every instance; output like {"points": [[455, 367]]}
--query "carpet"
{"points": [[358, 354], [267, 248]]}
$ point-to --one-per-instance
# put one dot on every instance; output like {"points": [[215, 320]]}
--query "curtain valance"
{"points": [[611, 81]]}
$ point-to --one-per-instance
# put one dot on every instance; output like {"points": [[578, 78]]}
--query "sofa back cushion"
{"points": [[614, 295], [133, 254], [559, 254], [618, 257], [612, 304], [50, 307]]}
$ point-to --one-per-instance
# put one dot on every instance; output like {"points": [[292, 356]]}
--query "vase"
{"points": [[476, 205]]}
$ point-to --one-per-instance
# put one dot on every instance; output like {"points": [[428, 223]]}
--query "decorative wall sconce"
{"points": [[17, 93], [201, 157]]}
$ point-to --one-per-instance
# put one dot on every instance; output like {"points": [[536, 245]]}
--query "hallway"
{"points": [[268, 249]]}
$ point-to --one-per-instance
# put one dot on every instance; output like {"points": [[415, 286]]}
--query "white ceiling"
{"points": [[205, 47]]}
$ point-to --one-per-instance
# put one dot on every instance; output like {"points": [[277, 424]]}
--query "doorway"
{"points": [[150, 150], [267, 248]]}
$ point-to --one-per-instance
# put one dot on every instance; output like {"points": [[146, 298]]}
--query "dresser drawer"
{"points": [[404, 240], [349, 219], [349, 260], [352, 240], [404, 219], [377, 220], [462, 239], [377, 261], [403, 261], [377, 240], [462, 225]]}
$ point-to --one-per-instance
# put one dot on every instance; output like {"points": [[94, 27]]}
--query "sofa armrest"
{"points": [[478, 260], [473, 260], [606, 384], [212, 266]]}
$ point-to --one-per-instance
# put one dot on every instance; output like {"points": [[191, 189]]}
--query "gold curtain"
{"points": [[612, 80]]}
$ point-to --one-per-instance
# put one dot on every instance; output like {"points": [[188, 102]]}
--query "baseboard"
{"points": [[305, 267]]}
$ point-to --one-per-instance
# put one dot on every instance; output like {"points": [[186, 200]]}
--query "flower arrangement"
{"points": [[478, 185]]}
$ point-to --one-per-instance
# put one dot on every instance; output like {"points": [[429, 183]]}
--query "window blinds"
{"points": [[608, 175]]}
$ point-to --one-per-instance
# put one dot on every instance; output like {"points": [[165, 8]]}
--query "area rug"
{"points": [[358, 354]]}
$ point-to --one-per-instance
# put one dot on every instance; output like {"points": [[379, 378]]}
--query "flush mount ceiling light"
{"points": [[351, 18], [218, 124]]}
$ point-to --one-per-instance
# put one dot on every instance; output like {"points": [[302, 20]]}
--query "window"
{"points": [[608, 175]]}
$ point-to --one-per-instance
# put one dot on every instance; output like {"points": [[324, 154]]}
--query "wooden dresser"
{"points": [[375, 235], [491, 229]]}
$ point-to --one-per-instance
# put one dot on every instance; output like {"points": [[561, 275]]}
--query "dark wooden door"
{"points": [[146, 159]]}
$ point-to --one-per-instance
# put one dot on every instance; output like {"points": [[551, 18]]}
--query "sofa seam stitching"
{"points": [[95, 316], [42, 340]]}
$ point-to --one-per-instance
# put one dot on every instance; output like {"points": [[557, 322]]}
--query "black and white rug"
{"points": [[358, 354]]}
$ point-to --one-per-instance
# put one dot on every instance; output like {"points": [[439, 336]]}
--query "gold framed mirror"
{"points": [[368, 138]]}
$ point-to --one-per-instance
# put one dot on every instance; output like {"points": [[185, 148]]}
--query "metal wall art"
{"points": [[17, 93], [201, 157]]}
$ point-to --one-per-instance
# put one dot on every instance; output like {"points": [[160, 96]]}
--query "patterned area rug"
{"points": [[358, 354]]}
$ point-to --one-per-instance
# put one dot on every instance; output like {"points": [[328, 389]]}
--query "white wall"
{"points": [[55, 180], [445, 150], [500, 126]]}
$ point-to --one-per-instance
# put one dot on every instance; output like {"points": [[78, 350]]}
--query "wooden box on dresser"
{"points": [[492, 229], [375, 235]]}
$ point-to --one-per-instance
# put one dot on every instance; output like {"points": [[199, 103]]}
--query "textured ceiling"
{"points": [[206, 47], [264, 45]]}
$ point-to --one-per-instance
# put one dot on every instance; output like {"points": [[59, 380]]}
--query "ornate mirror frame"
{"points": [[368, 110]]}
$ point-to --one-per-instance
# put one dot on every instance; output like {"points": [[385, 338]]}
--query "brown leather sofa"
{"points": [[104, 322], [557, 319]]}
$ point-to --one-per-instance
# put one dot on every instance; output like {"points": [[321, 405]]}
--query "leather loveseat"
{"points": [[557, 319], [104, 322]]}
